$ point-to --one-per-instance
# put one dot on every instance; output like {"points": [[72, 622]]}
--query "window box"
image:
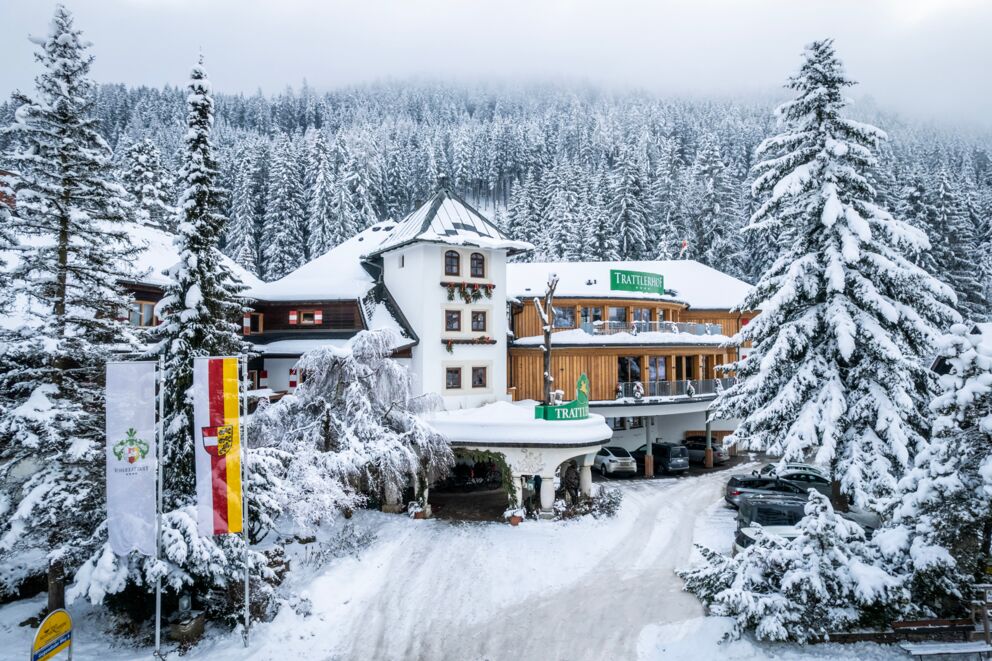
{"points": [[470, 292], [482, 339]]}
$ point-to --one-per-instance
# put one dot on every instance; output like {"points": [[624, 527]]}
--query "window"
{"points": [[618, 315], [661, 314], [478, 377], [635, 423], [402, 261], [592, 315], [142, 313], [477, 265], [252, 379], [452, 320], [452, 263], [256, 324], [685, 368], [453, 378], [656, 368], [478, 320], [628, 369], [564, 317], [641, 314], [616, 424], [308, 317]]}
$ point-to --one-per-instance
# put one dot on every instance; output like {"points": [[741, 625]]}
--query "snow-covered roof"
{"points": [[984, 329], [446, 218], [336, 275], [688, 281], [514, 424], [579, 337], [298, 347], [160, 254]]}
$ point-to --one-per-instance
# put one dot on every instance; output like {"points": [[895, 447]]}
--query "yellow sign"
{"points": [[53, 636]]}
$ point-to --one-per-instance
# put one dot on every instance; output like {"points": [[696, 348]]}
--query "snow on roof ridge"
{"points": [[700, 286]]}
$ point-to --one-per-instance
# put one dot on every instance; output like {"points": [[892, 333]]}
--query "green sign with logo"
{"points": [[651, 283], [577, 409]]}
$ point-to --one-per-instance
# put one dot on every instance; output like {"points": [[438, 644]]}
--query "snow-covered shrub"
{"points": [[825, 580], [352, 429], [348, 540], [604, 503]]}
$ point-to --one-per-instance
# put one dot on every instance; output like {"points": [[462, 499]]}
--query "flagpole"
{"points": [[244, 485], [158, 512]]}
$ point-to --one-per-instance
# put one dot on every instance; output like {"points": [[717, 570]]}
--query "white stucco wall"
{"points": [[413, 275], [278, 370]]}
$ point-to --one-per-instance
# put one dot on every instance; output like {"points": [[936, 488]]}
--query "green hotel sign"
{"points": [[637, 281], [577, 409]]}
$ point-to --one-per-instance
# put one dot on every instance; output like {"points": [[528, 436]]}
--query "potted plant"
{"points": [[514, 515]]}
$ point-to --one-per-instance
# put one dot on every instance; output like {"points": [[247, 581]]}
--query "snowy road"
{"points": [[436, 590]]}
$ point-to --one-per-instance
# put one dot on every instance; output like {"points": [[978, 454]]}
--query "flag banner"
{"points": [[131, 457], [217, 435]]}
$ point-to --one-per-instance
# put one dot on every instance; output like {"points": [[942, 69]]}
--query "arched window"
{"points": [[451, 263], [478, 265]]}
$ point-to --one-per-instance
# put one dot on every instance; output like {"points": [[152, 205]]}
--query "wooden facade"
{"points": [[526, 322], [601, 365], [335, 316]]}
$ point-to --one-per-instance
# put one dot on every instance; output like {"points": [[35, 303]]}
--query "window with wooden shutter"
{"points": [[293, 317]]}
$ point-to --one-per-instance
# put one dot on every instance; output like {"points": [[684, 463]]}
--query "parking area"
{"points": [[695, 470]]}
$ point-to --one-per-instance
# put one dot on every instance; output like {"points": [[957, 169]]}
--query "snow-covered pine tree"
{"points": [[825, 580], [353, 428], [628, 204], [835, 371], [285, 248], [602, 238], [943, 523], [242, 228], [712, 214], [149, 183], [956, 247], [64, 287], [198, 316], [202, 306], [321, 208]]}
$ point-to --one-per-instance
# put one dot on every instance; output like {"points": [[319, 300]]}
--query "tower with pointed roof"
{"points": [[445, 267]]}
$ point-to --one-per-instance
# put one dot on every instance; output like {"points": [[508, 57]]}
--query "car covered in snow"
{"points": [[773, 469], [740, 486], [745, 537], [696, 445], [615, 460], [668, 457]]}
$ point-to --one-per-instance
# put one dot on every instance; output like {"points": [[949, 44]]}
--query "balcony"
{"points": [[672, 389], [635, 327]]}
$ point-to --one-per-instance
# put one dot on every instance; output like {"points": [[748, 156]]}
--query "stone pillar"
{"points": [[547, 495], [708, 459], [518, 489], [585, 480]]}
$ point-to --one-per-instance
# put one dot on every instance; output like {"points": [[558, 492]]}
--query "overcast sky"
{"points": [[927, 58]]}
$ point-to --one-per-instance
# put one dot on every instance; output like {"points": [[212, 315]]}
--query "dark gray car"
{"points": [[740, 485], [668, 457], [697, 450]]}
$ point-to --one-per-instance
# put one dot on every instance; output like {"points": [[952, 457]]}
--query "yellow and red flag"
{"points": [[216, 421]]}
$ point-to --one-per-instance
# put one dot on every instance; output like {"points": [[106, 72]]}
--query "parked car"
{"points": [[697, 450], [745, 537], [806, 479], [668, 457], [770, 509], [741, 485], [769, 470], [614, 460]]}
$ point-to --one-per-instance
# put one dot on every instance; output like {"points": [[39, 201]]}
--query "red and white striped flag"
{"points": [[216, 421]]}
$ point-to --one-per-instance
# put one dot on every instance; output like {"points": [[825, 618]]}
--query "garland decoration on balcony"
{"points": [[470, 292], [482, 339]]}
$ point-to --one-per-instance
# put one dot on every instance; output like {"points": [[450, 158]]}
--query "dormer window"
{"points": [[452, 263], [477, 265]]}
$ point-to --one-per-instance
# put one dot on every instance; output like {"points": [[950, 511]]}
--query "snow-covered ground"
{"points": [[440, 590]]}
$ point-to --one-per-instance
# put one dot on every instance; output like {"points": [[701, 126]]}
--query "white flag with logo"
{"points": [[131, 457]]}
